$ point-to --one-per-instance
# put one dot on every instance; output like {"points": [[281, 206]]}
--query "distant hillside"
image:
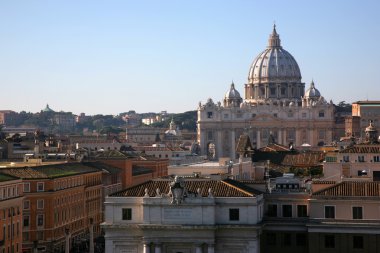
{"points": [[186, 120]]}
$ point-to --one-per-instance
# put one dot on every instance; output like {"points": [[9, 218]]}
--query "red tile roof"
{"points": [[303, 159], [362, 148], [351, 189], [225, 188], [274, 147]]}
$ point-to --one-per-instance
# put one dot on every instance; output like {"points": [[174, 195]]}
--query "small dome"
{"points": [[232, 93], [47, 109], [312, 92]]}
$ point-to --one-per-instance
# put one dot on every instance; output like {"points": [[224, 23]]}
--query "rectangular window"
{"points": [[26, 220], [226, 116], [346, 158], [301, 210], [321, 134], [40, 220], [361, 158], [209, 135], [376, 159], [127, 213], [40, 235], [234, 214], [287, 211], [25, 236], [321, 114], [26, 204], [329, 241], [40, 204], [272, 210], [304, 115], [271, 239], [358, 242], [209, 115], [26, 187], [357, 212], [330, 212], [301, 239], [40, 186]]}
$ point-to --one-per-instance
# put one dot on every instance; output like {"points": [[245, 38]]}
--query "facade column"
{"points": [[266, 91], [256, 94], [198, 248], [279, 134], [232, 144], [253, 246], [298, 138], [328, 136], [210, 248], [284, 137], [311, 137], [258, 139], [157, 248], [219, 144], [202, 141], [146, 248], [278, 91]]}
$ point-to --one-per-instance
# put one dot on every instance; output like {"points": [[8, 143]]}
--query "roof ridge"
{"points": [[238, 188]]}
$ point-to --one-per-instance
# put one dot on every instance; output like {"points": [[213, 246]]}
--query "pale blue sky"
{"points": [[113, 56]]}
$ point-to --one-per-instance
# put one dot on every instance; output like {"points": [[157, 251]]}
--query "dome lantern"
{"points": [[274, 39]]}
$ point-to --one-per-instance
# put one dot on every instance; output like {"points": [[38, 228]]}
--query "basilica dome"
{"points": [[274, 63], [274, 74]]}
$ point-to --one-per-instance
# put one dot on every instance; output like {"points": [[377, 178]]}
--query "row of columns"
{"points": [[158, 248], [282, 138], [254, 92]]}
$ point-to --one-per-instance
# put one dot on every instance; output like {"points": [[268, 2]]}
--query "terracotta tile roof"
{"points": [[103, 167], [351, 189], [244, 144], [111, 154], [274, 147], [25, 173], [5, 177], [225, 188], [150, 148], [303, 159], [362, 148], [50, 171], [323, 182]]}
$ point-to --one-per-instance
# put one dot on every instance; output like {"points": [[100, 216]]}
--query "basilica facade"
{"points": [[275, 107]]}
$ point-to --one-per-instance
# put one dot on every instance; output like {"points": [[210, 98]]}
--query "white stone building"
{"points": [[275, 105], [189, 216]]}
